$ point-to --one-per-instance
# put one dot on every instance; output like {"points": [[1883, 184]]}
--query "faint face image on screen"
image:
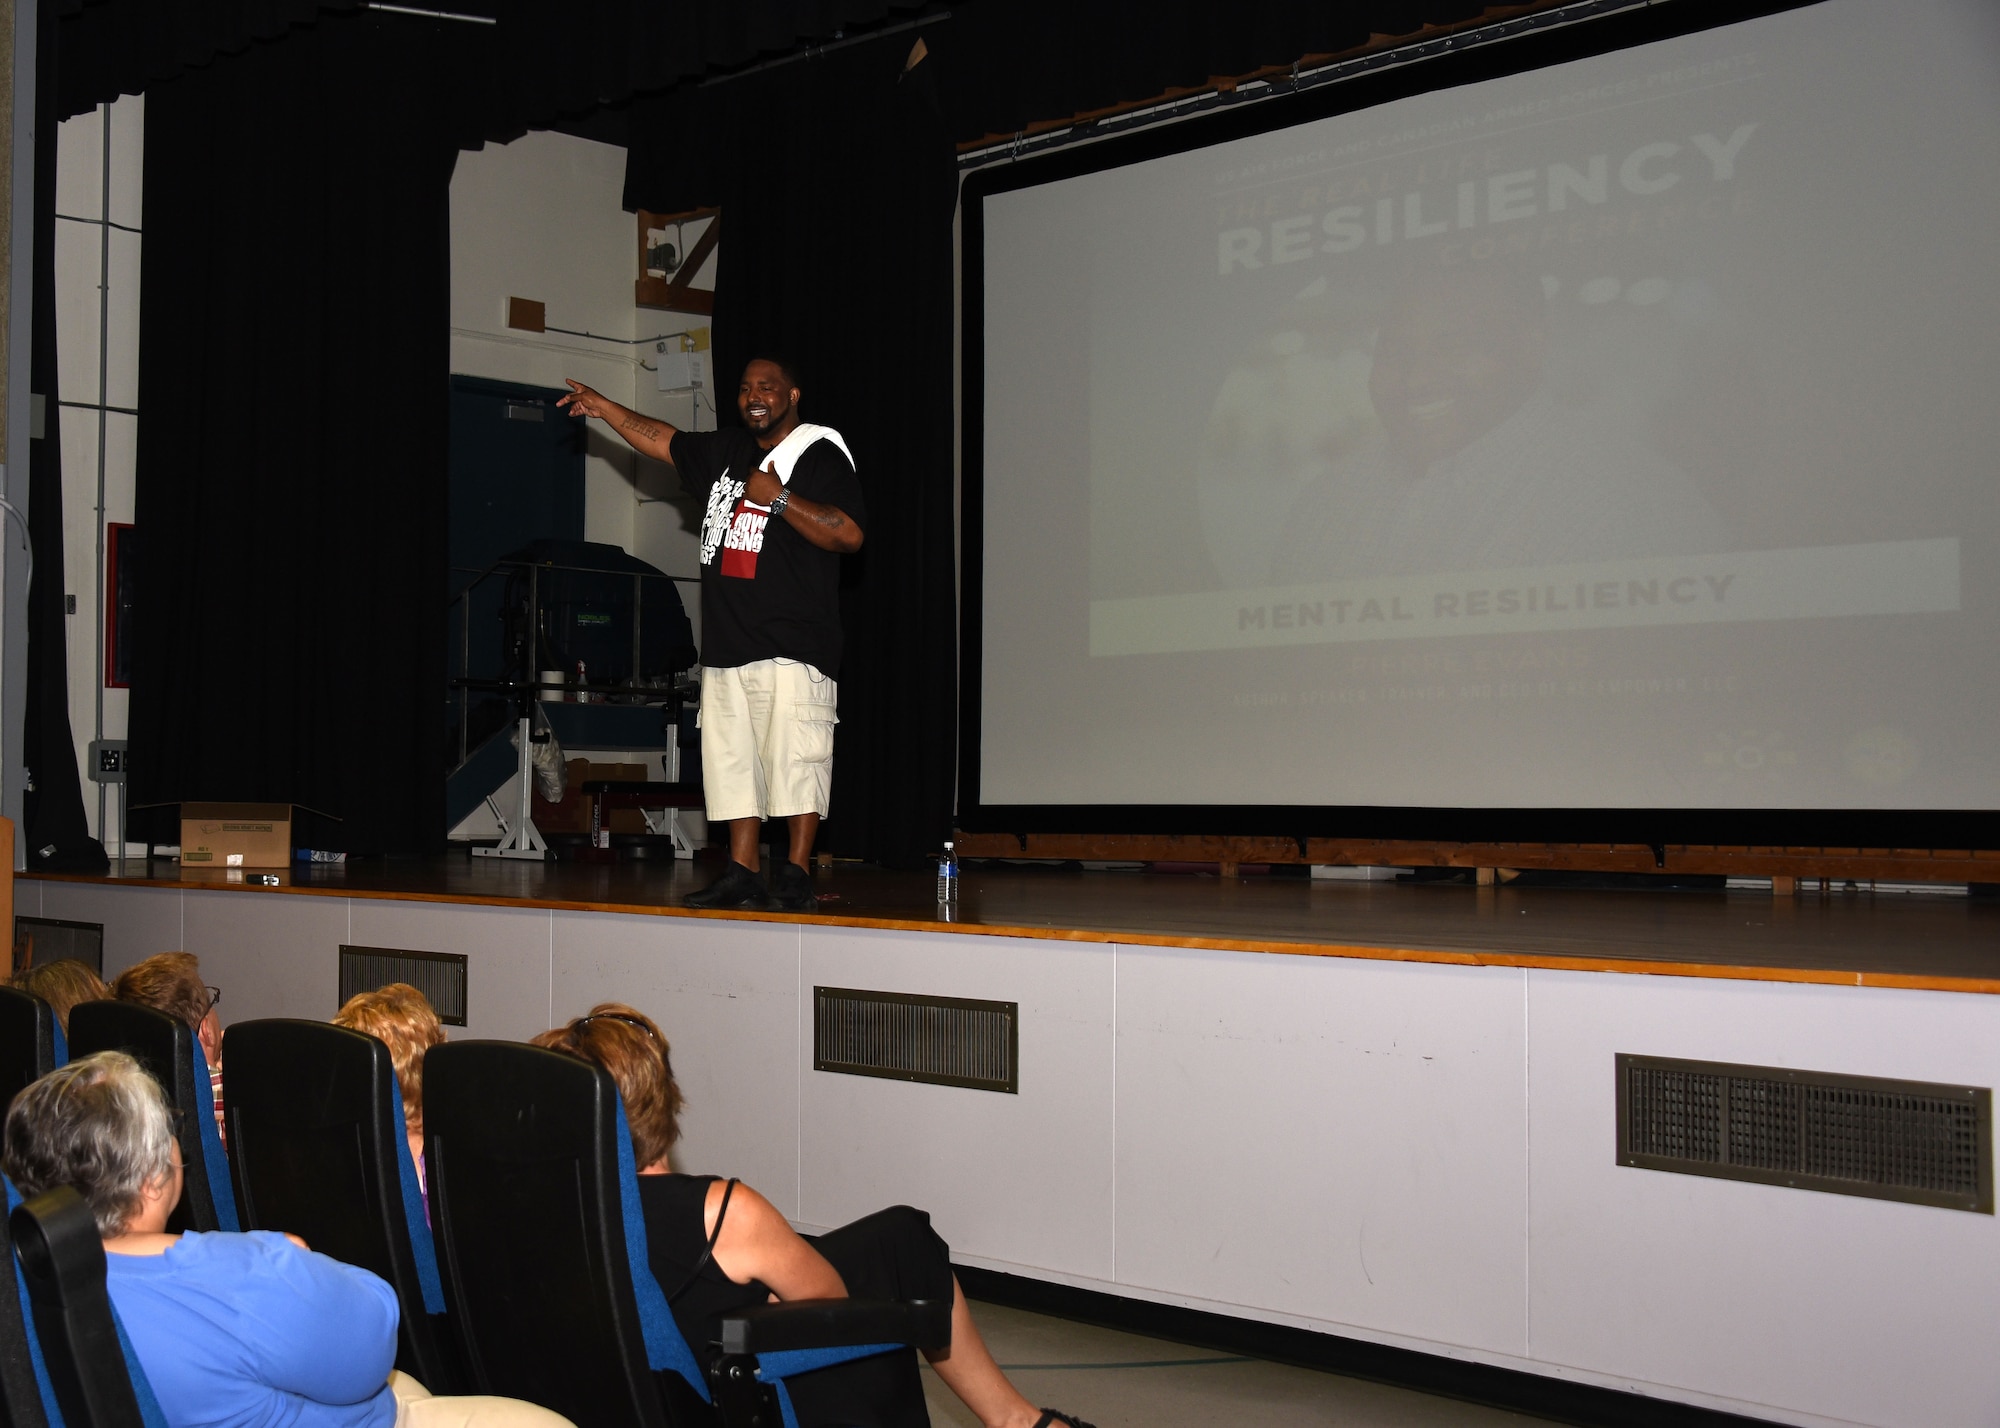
{"points": [[1291, 408], [1459, 351]]}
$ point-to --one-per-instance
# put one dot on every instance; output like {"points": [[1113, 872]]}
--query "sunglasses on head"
{"points": [[629, 1020]]}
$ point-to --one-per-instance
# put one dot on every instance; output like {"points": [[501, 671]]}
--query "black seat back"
{"points": [[29, 1042], [63, 1261], [317, 1148], [170, 1054], [522, 1146]]}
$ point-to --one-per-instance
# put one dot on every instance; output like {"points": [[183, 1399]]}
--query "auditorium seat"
{"points": [[170, 1053], [97, 1379], [317, 1147], [535, 1201], [31, 1042], [25, 1391]]}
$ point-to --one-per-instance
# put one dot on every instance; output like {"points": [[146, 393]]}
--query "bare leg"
{"points": [[743, 841], [968, 1370], [805, 828]]}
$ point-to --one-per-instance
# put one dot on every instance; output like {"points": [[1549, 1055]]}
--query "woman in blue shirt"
{"points": [[233, 1330]]}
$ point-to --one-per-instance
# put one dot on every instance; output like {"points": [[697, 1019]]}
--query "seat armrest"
{"points": [[62, 1260], [836, 1324]]}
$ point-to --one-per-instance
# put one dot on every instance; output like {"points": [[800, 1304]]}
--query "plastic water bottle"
{"points": [[948, 876]]}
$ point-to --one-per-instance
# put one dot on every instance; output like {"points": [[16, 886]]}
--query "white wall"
{"points": [[79, 305], [1414, 1154], [540, 218]]}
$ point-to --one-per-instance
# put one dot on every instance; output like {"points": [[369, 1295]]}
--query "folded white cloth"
{"points": [[786, 453]]}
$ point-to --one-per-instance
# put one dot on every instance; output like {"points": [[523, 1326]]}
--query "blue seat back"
{"points": [[31, 1042], [666, 1348], [318, 1148], [24, 1374], [84, 1356]]}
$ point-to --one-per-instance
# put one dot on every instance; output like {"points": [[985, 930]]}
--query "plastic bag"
{"points": [[551, 768]]}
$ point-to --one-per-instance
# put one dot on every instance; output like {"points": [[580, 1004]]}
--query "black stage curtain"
{"points": [[56, 836], [115, 47], [838, 183], [294, 365]]}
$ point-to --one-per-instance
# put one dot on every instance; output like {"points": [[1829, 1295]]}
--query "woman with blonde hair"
{"points": [[402, 1019], [718, 1247], [62, 985]]}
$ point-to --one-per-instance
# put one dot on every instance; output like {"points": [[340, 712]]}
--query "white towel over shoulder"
{"points": [[785, 455]]}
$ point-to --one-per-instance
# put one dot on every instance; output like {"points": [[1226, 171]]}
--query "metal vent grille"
{"points": [[1917, 1141], [946, 1041], [39, 941], [440, 976]]}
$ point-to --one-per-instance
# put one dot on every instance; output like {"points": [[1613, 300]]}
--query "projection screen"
{"points": [[1614, 433]]}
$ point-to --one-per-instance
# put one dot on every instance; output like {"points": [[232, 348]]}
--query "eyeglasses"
{"points": [[214, 998], [582, 1021]]}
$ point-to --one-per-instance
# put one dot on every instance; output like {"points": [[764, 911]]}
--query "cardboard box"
{"points": [[621, 820], [236, 835]]}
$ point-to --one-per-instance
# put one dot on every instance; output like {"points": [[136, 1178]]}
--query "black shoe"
{"points": [[737, 887], [792, 888]]}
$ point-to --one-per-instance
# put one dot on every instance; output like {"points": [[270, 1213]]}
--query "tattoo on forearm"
{"points": [[827, 516], [640, 426]]}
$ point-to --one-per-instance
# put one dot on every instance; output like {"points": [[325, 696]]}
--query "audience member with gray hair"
{"points": [[101, 1124], [232, 1329]]}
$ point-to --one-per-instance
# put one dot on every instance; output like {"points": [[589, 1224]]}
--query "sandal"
{"points": [[1052, 1416]]}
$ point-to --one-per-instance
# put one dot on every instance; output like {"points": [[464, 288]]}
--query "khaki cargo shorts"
{"points": [[767, 740]]}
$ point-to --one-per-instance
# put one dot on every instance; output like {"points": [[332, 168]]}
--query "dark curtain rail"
{"points": [[1006, 64], [998, 68], [544, 59]]}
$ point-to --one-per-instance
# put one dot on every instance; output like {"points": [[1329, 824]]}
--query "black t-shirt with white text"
{"points": [[766, 591]]}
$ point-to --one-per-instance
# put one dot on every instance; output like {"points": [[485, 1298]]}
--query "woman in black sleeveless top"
{"points": [[718, 1246]]}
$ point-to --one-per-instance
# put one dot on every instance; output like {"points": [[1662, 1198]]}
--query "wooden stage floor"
{"points": [[1909, 940]]}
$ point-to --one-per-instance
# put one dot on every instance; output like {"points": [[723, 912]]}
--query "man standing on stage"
{"points": [[782, 506]]}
